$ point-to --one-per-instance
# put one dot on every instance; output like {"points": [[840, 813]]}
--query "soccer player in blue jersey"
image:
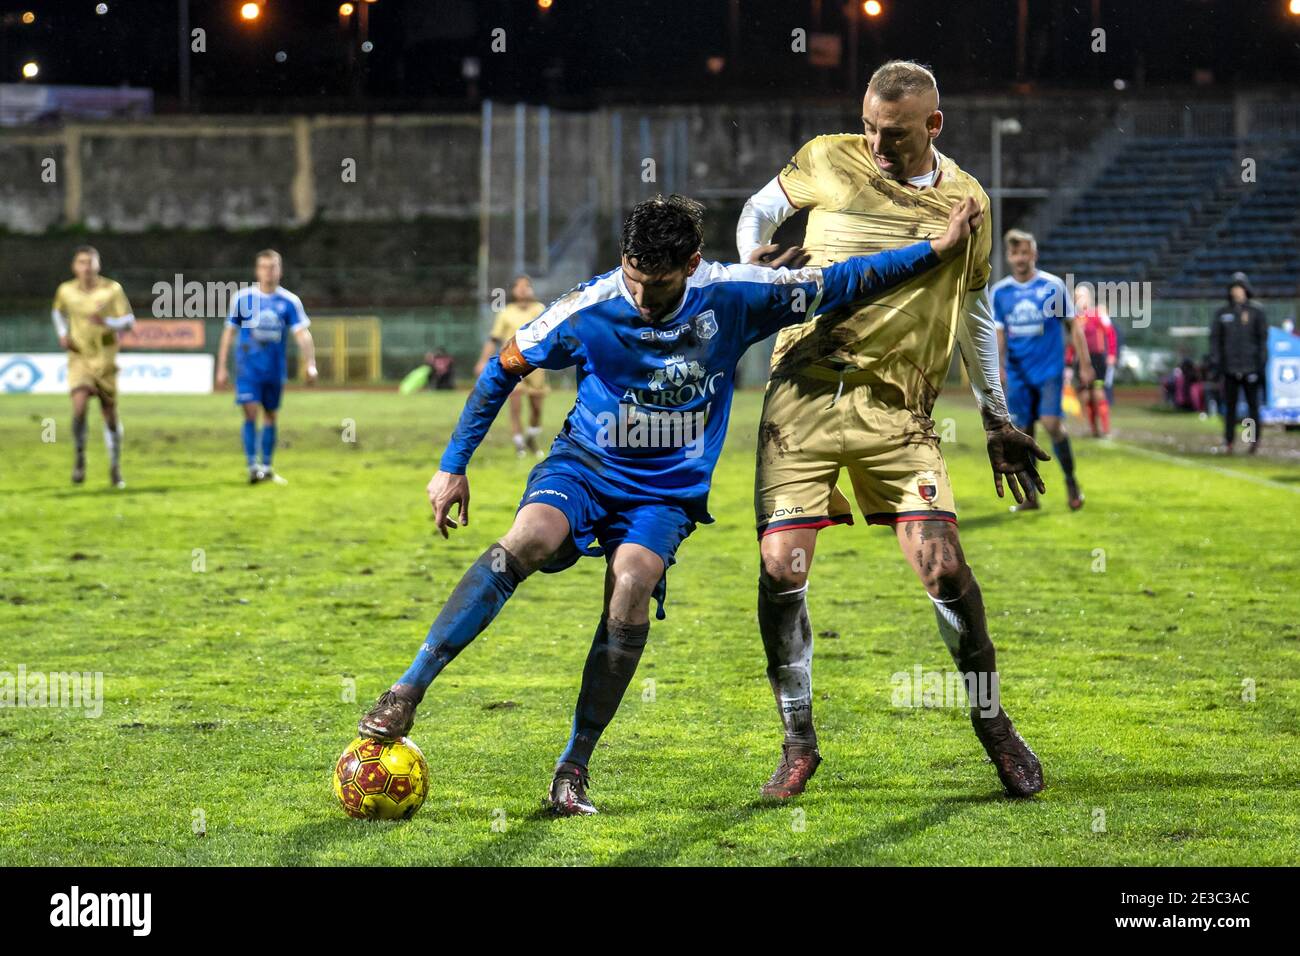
{"points": [[1034, 312], [656, 343], [261, 315]]}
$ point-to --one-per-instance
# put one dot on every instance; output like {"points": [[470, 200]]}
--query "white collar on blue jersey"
{"points": [[623, 290]]}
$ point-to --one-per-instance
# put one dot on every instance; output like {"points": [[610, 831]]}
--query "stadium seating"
{"points": [[1175, 212]]}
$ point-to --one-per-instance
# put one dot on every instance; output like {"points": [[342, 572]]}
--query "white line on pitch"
{"points": [[1229, 472]]}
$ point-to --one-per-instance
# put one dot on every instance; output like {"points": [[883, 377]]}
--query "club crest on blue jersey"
{"points": [[706, 325], [677, 371]]}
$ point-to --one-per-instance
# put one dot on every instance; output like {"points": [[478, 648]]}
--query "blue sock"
{"points": [[481, 593], [611, 662], [268, 443], [250, 442]]}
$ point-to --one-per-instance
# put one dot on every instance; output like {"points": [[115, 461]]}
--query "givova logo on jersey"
{"points": [[679, 382]]}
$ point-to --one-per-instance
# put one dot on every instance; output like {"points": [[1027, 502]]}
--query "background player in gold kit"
{"points": [[856, 393], [88, 312], [522, 308]]}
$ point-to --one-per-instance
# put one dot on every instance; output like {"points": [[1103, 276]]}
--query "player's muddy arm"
{"points": [[481, 408], [859, 279]]}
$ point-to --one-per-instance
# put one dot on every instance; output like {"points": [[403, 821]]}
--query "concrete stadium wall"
{"points": [[246, 173]]}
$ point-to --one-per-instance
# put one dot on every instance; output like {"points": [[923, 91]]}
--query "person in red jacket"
{"points": [[1103, 353]]}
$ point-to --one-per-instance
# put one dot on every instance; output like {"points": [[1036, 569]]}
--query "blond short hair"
{"points": [[898, 78], [1015, 237], [269, 254]]}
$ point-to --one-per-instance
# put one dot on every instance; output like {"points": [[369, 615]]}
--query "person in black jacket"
{"points": [[1238, 354]]}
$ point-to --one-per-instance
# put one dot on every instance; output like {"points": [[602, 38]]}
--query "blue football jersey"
{"points": [[263, 320], [654, 397], [1034, 316]]}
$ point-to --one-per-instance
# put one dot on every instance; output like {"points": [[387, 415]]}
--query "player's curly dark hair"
{"points": [[661, 234]]}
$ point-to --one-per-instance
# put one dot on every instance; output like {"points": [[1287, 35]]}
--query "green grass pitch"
{"points": [[1130, 636]]}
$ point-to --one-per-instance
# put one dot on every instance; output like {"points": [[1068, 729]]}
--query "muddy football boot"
{"points": [[392, 716], [1018, 767], [568, 795], [792, 774], [1074, 495], [79, 471]]}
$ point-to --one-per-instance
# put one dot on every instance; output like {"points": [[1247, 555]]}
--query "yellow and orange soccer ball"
{"points": [[380, 779]]}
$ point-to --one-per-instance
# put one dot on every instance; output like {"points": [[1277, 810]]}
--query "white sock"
{"points": [[113, 442]]}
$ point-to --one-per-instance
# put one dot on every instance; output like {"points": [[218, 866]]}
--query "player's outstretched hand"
{"points": [[773, 257], [445, 490], [1015, 455], [222, 378], [312, 374], [963, 219]]}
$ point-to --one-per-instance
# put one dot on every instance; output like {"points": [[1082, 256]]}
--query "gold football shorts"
{"points": [[813, 426], [534, 383], [97, 373]]}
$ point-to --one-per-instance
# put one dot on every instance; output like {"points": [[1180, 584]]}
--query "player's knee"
{"points": [[777, 577], [633, 586], [783, 569], [527, 552]]}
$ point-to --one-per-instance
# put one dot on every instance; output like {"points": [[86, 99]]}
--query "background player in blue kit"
{"points": [[260, 316], [1033, 312], [656, 343]]}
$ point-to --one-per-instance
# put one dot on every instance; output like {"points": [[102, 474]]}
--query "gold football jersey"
{"points": [[514, 317], [107, 300], [903, 339]]}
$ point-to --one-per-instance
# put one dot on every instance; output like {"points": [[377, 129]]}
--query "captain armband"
{"points": [[512, 359]]}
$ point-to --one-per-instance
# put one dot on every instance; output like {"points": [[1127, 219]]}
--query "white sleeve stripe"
{"points": [[710, 272], [565, 306], [60, 321]]}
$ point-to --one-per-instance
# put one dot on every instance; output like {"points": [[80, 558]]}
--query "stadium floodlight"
{"points": [[28, 17], [873, 8], [346, 10], [545, 4], [30, 70], [1293, 8], [250, 11]]}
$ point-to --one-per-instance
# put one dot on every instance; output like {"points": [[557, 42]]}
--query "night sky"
{"points": [[583, 52]]}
